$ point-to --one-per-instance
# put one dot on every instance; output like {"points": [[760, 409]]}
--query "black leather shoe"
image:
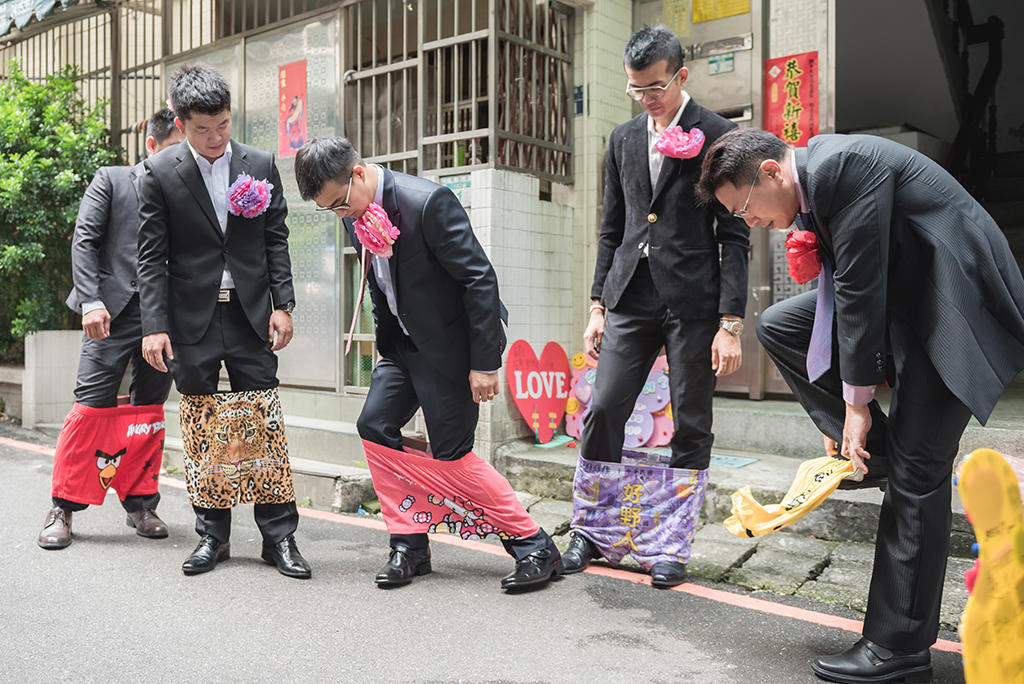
{"points": [[404, 564], [866, 661], [579, 554], [208, 553], [877, 476], [147, 524], [665, 574], [536, 569], [285, 555]]}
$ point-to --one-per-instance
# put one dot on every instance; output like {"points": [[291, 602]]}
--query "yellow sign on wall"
{"points": [[676, 15], [706, 10]]}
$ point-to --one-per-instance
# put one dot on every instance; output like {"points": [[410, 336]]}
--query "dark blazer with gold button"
{"points": [[699, 268], [909, 242], [182, 250]]}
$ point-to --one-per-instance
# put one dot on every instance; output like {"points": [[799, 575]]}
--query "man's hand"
{"points": [[281, 323], [855, 434], [153, 347], [726, 353], [484, 386], [96, 324], [594, 333]]}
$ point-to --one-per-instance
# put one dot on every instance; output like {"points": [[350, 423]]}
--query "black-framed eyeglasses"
{"points": [[655, 92], [344, 206], [743, 212]]}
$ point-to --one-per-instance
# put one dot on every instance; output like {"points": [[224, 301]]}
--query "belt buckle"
{"points": [[224, 296]]}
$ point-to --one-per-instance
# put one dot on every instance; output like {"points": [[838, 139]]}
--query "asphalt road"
{"points": [[115, 607]]}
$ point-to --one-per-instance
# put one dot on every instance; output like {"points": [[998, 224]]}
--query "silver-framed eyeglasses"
{"points": [[655, 92], [743, 212], [344, 206]]}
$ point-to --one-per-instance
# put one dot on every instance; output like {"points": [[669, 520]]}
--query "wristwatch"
{"points": [[288, 307], [731, 327]]}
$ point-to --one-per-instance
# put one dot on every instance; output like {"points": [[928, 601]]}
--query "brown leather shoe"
{"points": [[56, 532], [147, 524]]}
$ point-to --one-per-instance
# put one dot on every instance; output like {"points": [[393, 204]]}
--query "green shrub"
{"points": [[51, 144]]}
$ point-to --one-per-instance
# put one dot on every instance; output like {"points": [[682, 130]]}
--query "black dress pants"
{"points": [[919, 439], [102, 365], [634, 333], [401, 383], [251, 366]]}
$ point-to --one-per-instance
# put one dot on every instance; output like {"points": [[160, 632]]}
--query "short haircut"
{"points": [[199, 88], [161, 125], [648, 46], [734, 158], [322, 160]]}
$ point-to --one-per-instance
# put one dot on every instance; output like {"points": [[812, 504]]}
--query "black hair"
{"points": [[199, 88], [734, 158], [322, 160], [161, 125], [650, 45]]}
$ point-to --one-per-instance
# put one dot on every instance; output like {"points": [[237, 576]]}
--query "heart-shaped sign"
{"points": [[539, 387]]}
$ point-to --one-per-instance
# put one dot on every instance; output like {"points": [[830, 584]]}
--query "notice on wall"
{"points": [[791, 97], [676, 15], [706, 10], [291, 112]]}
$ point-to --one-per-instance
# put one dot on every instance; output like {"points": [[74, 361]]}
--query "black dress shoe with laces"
{"points": [[533, 570], [579, 554], [866, 661], [208, 553], [404, 564], [285, 555], [665, 574]]}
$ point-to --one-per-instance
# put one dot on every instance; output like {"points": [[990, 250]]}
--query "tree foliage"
{"points": [[51, 143]]}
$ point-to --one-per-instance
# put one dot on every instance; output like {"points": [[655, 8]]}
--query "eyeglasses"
{"points": [[743, 212], [344, 206], [655, 92]]}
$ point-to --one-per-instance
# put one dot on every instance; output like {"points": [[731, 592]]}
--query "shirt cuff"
{"points": [[858, 395], [487, 372], [92, 306]]}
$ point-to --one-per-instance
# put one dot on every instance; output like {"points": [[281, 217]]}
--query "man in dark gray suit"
{"points": [[104, 262], [918, 287], [669, 273]]}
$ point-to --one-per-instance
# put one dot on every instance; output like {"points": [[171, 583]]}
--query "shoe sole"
{"points": [[199, 571], [54, 546], [421, 569], [668, 585], [922, 673], [131, 523], [287, 573], [878, 482]]}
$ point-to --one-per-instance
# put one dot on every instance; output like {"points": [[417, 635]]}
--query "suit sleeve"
{"points": [[279, 263], [90, 234], [733, 237], [613, 221], [859, 192], [153, 248], [449, 235]]}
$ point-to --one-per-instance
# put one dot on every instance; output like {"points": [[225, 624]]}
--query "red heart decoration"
{"points": [[540, 388]]}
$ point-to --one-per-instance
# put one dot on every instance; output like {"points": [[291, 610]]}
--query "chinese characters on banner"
{"points": [[291, 108], [791, 97]]}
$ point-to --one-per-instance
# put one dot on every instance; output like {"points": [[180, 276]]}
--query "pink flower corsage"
{"points": [[675, 142], [375, 231], [248, 197], [802, 256]]}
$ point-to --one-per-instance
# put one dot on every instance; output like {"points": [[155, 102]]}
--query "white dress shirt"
{"points": [[215, 176]]}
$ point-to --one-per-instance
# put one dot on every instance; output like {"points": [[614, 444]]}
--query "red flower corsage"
{"points": [[675, 142], [248, 197], [802, 256]]}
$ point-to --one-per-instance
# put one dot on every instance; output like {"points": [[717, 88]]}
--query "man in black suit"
{"points": [[216, 286], [918, 288], [669, 273], [439, 334], [104, 262]]}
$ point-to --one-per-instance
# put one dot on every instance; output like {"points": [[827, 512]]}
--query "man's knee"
{"points": [[768, 325], [376, 426]]}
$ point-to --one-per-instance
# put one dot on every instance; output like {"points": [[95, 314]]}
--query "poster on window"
{"points": [[791, 97], [291, 113]]}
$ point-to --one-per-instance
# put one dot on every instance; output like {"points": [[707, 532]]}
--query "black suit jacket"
{"points": [[908, 241], [182, 251], [700, 271], [445, 286], [104, 249]]}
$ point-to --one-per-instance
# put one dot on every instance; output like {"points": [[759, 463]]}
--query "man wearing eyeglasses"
{"points": [[917, 287], [669, 273]]}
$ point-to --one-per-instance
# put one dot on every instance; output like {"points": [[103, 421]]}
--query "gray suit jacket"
{"points": [[104, 249], [909, 242]]}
